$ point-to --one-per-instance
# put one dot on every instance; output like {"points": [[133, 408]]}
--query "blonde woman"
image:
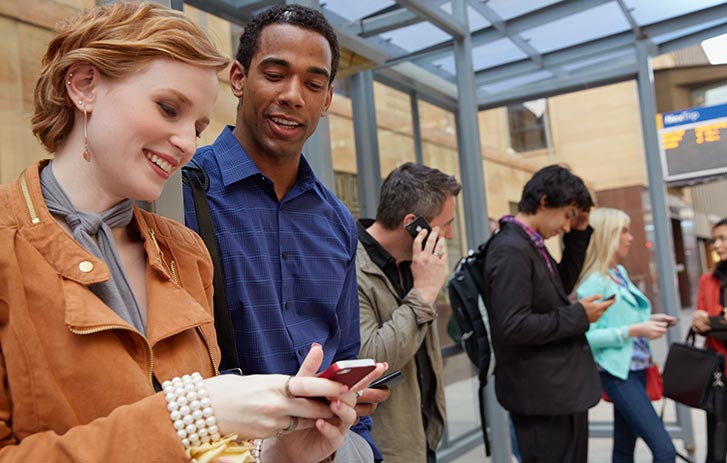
{"points": [[107, 343], [619, 340]]}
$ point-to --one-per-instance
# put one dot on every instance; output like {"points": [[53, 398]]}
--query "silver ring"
{"points": [[287, 388], [437, 254], [292, 425]]}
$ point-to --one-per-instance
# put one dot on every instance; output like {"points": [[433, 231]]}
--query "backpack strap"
{"points": [[194, 176]]}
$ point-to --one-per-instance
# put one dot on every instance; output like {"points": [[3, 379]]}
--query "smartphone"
{"points": [[348, 372], [612, 296], [417, 225], [388, 381]]}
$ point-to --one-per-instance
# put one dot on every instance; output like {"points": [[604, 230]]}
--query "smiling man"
{"points": [[287, 244], [545, 374]]}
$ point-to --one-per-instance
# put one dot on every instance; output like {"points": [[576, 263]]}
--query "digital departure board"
{"points": [[693, 143]]}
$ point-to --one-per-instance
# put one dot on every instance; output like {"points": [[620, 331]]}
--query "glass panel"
{"points": [[439, 146], [343, 153], [595, 23], [394, 127]]}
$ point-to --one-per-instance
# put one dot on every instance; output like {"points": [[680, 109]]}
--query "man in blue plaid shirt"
{"points": [[287, 244]]}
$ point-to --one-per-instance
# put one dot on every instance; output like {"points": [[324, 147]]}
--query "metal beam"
{"points": [[407, 77], [499, 24], [574, 54], [558, 86], [697, 18], [693, 39], [437, 17], [629, 17], [385, 22], [513, 26]]}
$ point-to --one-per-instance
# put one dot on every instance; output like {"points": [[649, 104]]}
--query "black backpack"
{"points": [[466, 295]]}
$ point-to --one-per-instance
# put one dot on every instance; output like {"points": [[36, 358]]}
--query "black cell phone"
{"points": [[417, 225], [389, 381], [612, 296]]}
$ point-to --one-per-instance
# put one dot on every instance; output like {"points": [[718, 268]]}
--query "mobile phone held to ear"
{"points": [[417, 225], [348, 372], [388, 381]]}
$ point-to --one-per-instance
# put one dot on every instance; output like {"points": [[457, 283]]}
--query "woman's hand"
{"points": [[259, 406], [326, 435], [700, 321], [651, 329]]}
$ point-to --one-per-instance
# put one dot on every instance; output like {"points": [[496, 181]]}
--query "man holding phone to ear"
{"points": [[401, 268]]}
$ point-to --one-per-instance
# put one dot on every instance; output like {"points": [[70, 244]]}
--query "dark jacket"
{"points": [[544, 364]]}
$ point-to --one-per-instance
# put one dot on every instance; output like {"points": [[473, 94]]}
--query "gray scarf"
{"points": [[116, 292]]}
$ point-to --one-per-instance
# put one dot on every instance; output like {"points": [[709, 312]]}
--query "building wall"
{"points": [[26, 27]]}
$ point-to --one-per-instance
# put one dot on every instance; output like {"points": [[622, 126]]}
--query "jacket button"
{"points": [[85, 266]]}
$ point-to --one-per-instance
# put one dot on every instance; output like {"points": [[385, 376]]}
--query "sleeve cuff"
{"points": [[423, 312]]}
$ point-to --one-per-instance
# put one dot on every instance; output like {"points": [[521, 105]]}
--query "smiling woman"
{"points": [[106, 332]]}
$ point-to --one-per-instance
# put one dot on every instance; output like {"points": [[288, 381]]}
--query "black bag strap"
{"points": [[483, 417], [194, 176]]}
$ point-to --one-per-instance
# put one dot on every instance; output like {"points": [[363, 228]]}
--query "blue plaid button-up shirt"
{"points": [[289, 265]]}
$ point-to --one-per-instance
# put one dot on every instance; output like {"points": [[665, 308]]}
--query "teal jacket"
{"points": [[611, 351]]}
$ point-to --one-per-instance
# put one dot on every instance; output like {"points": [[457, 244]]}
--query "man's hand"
{"points": [[428, 265], [594, 309], [580, 220], [366, 398], [369, 399]]}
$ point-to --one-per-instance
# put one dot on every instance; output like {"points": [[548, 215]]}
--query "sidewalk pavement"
{"points": [[459, 404]]}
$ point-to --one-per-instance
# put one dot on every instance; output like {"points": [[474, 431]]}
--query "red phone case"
{"points": [[348, 372]]}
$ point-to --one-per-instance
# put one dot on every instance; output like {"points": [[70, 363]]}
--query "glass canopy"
{"points": [[521, 49]]}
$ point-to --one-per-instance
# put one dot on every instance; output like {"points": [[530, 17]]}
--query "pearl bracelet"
{"points": [[190, 410]]}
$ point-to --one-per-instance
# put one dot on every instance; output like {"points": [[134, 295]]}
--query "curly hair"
{"points": [[117, 39], [416, 189], [560, 188], [295, 15]]}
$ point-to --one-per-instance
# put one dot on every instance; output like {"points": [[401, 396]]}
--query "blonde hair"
{"points": [[608, 225], [117, 39]]}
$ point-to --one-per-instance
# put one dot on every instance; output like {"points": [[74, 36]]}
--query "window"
{"points": [[710, 95], [347, 191], [527, 131]]}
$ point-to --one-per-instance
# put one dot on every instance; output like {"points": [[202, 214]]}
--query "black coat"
{"points": [[544, 365]]}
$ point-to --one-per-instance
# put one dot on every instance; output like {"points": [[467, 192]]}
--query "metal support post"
{"points": [[367, 145], [662, 226], [475, 201], [416, 124]]}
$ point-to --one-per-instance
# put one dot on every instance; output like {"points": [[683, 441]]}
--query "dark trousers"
{"points": [[716, 440], [552, 439]]}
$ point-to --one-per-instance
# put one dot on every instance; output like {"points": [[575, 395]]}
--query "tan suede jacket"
{"points": [[75, 378]]}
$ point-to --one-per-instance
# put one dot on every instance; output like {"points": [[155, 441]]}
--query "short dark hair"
{"points": [[295, 15], [560, 188], [414, 188]]}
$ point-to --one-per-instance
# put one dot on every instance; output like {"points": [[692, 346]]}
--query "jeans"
{"points": [[634, 416]]}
